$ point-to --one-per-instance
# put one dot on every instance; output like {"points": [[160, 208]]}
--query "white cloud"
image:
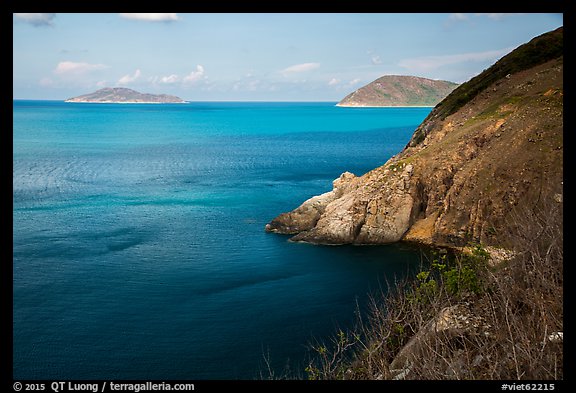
{"points": [[427, 63], [152, 17], [36, 19], [374, 58], [253, 85], [250, 83], [73, 68], [126, 79], [458, 17], [69, 74], [195, 76], [333, 82], [497, 15], [192, 78], [170, 79], [300, 68], [338, 84], [353, 82]]}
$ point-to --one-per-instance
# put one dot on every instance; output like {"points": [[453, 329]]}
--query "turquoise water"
{"points": [[139, 249]]}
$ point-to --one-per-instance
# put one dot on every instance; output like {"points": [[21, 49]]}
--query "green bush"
{"points": [[425, 290], [460, 280]]}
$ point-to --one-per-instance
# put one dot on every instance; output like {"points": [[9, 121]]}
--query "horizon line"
{"points": [[186, 101]]}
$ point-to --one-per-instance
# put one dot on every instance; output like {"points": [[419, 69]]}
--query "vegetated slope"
{"points": [[494, 145], [399, 90], [124, 95]]}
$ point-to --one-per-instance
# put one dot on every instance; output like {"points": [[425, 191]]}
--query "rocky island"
{"points": [[122, 95], [493, 146], [399, 90]]}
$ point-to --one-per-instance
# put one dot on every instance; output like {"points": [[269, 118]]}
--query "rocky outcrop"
{"points": [[399, 90], [491, 147], [375, 208], [452, 323], [124, 95]]}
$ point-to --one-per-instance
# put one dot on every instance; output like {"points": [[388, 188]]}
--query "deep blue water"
{"points": [[139, 249]]}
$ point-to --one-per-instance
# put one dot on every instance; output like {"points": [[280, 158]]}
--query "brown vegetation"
{"points": [[465, 319]]}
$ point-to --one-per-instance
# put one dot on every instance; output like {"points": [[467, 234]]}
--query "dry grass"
{"points": [[465, 320]]}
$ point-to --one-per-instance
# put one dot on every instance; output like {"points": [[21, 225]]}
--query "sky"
{"points": [[256, 57]]}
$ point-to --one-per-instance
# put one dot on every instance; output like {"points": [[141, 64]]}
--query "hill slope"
{"points": [[492, 147], [124, 95], [399, 90]]}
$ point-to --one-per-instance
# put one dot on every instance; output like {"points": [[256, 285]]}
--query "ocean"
{"points": [[139, 249]]}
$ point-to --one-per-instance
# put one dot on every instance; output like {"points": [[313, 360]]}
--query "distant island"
{"points": [[399, 90], [122, 95]]}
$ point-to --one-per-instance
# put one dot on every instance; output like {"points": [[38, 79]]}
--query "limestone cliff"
{"points": [[494, 145], [399, 90]]}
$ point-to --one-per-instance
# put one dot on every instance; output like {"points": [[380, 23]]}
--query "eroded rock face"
{"points": [[306, 216], [302, 218], [375, 208], [389, 212]]}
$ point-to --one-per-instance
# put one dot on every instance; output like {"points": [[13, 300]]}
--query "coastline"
{"points": [[384, 106]]}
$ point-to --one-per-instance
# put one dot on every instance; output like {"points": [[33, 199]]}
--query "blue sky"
{"points": [[255, 57]]}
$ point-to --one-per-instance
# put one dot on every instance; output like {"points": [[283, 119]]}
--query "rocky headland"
{"points": [[492, 146], [482, 175]]}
